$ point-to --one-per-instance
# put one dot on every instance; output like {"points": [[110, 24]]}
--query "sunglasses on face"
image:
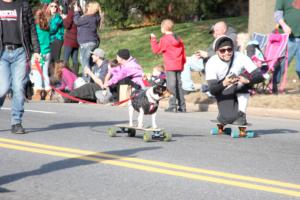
{"points": [[222, 51]]}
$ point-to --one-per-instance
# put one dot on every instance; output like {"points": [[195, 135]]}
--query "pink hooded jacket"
{"points": [[130, 69]]}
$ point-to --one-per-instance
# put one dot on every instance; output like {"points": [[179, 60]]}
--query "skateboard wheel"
{"points": [[167, 136], [131, 132], [227, 131], [112, 132], [123, 130], [214, 131], [156, 134], [250, 134], [147, 137], [235, 134]]}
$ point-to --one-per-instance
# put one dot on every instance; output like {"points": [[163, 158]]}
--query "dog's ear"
{"points": [[159, 89]]}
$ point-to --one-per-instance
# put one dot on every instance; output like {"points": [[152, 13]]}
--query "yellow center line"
{"points": [[157, 163], [155, 170]]}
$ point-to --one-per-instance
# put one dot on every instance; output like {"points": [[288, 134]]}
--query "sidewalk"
{"points": [[264, 112]]}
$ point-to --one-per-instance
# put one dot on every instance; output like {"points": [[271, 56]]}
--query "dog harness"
{"points": [[140, 100]]}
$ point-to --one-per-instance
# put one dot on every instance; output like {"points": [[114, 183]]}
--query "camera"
{"points": [[232, 75]]}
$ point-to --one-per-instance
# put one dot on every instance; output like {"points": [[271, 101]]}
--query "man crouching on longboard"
{"points": [[230, 75]]}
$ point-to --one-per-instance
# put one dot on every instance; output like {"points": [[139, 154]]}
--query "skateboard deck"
{"points": [[149, 133], [240, 130]]}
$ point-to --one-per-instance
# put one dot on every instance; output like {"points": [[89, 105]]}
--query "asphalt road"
{"points": [[68, 155]]}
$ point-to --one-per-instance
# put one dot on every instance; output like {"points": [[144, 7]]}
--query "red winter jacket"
{"points": [[70, 39], [172, 48]]}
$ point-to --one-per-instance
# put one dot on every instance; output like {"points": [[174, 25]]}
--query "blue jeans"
{"points": [[39, 82], [85, 55], [192, 64], [293, 50], [70, 51], [13, 75]]}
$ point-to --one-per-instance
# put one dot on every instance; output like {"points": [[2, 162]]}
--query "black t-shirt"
{"points": [[9, 18]]}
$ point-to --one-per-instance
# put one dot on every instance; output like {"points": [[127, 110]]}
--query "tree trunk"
{"points": [[261, 16]]}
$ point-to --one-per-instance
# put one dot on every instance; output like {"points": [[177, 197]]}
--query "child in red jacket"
{"points": [[172, 48]]}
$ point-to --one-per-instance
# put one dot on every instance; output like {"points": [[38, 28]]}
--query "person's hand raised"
{"points": [[152, 35], [76, 7]]}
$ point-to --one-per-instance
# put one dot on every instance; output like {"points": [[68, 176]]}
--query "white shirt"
{"points": [[216, 68]]}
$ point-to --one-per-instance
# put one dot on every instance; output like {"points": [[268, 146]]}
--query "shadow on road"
{"points": [[70, 163], [75, 125], [3, 190], [275, 131]]}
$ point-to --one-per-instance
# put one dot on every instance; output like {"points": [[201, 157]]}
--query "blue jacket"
{"points": [[87, 26]]}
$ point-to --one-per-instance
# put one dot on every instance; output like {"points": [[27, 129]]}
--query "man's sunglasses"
{"points": [[222, 51]]}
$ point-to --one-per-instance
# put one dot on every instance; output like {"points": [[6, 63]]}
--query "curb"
{"points": [[256, 111]]}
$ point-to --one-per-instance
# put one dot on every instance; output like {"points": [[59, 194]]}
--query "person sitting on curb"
{"points": [[193, 63], [128, 72], [218, 29], [226, 81], [97, 75]]}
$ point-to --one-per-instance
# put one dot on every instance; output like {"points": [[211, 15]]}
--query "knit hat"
{"points": [[222, 41], [124, 53], [98, 52]]}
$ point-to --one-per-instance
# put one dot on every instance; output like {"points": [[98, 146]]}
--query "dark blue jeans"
{"points": [[174, 84]]}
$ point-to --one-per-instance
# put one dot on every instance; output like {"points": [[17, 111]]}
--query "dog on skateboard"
{"points": [[146, 102]]}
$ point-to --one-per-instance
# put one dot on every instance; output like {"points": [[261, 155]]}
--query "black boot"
{"points": [[76, 68], [171, 109], [182, 110]]}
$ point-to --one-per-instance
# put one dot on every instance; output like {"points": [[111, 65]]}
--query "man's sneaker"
{"points": [[182, 110], [17, 129], [241, 120], [171, 109]]}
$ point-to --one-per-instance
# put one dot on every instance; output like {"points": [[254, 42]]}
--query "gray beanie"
{"points": [[222, 41]]}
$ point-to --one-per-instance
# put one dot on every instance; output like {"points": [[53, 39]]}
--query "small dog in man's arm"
{"points": [[146, 102]]}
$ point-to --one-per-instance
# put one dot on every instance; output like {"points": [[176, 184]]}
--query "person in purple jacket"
{"points": [[128, 72], [87, 27]]}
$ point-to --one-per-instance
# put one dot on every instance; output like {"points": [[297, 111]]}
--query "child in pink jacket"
{"points": [[65, 75]]}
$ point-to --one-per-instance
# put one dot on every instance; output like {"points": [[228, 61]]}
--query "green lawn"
{"points": [[194, 35]]}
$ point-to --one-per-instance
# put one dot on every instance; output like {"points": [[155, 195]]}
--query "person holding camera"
{"points": [[230, 75], [87, 31]]}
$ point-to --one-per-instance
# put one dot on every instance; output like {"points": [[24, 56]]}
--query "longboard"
{"points": [[241, 130], [149, 133]]}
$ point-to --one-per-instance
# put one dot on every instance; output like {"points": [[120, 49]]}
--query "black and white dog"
{"points": [[146, 103]]}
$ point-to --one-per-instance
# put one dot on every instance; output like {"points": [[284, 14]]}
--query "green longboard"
{"points": [[149, 133]]}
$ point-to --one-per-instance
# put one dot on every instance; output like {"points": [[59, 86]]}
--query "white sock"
{"points": [[243, 101]]}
